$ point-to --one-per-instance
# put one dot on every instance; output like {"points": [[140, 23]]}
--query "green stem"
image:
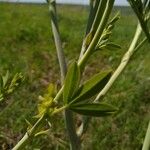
{"points": [[58, 43], [82, 129], [99, 15], [146, 144], [97, 35], [33, 130], [123, 63], [75, 143], [26, 137], [96, 13], [93, 9]]}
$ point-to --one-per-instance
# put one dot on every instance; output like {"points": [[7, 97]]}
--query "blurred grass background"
{"points": [[27, 46]]}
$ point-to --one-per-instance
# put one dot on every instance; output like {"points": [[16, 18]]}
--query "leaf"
{"points": [[45, 106], [29, 124], [8, 84], [139, 8], [103, 41], [1, 83], [50, 91], [92, 86], [112, 46], [114, 19], [71, 82], [95, 110], [88, 39], [15, 82], [45, 132], [5, 79], [108, 46], [1, 97]]}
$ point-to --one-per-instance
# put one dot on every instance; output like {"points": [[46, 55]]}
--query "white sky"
{"points": [[117, 2]]}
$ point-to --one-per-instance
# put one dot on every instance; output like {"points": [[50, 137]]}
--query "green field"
{"points": [[27, 46]]}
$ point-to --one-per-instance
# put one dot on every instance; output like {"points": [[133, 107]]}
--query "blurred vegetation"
{"points": [[27, 46]]}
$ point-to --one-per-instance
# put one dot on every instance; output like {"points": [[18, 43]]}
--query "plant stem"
{"points": [[123, 63], [88, 27], [82, 129], [146, 144], [99, 15], [98, 34], [28, 134], [95, 16], [58, 43], [75, 143], [33, 130]]}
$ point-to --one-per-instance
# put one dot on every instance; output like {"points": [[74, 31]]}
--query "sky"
{"points": [[117, 2]]}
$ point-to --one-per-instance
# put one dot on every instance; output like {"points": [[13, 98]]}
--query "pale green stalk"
{"points": [[93, 10], [99, 15], [97, 35], [96, 13], [146, 144], [58, 43], [122, 65], [82, 61], [75, 143], [70, 125], [31, 132], [28, 135], [132, 49]]}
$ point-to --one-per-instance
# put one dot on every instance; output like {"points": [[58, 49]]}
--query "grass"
{"points": [[27, 46]]}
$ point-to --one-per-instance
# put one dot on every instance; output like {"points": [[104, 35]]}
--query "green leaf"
{"points": [[5, 78], [142, 9], [1, 83], [112, 46], [108, 46], [114, 19], [29, 124], [92, 86], [95, 110], [88, 39], [45, 132], [103, 41], [71, 82], [51, 91]]}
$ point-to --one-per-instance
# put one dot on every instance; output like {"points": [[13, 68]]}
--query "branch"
{"points": [[75, 143], [122, 65], [83, 128], [95, 16], [26, 137], [58, 43], [97, 35]]}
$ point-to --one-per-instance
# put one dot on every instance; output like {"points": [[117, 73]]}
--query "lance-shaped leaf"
{"points": [[109, 46], [71, 82], [95, 110], [5, 78], [92, 86], [141, 10], [103, 41]]}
